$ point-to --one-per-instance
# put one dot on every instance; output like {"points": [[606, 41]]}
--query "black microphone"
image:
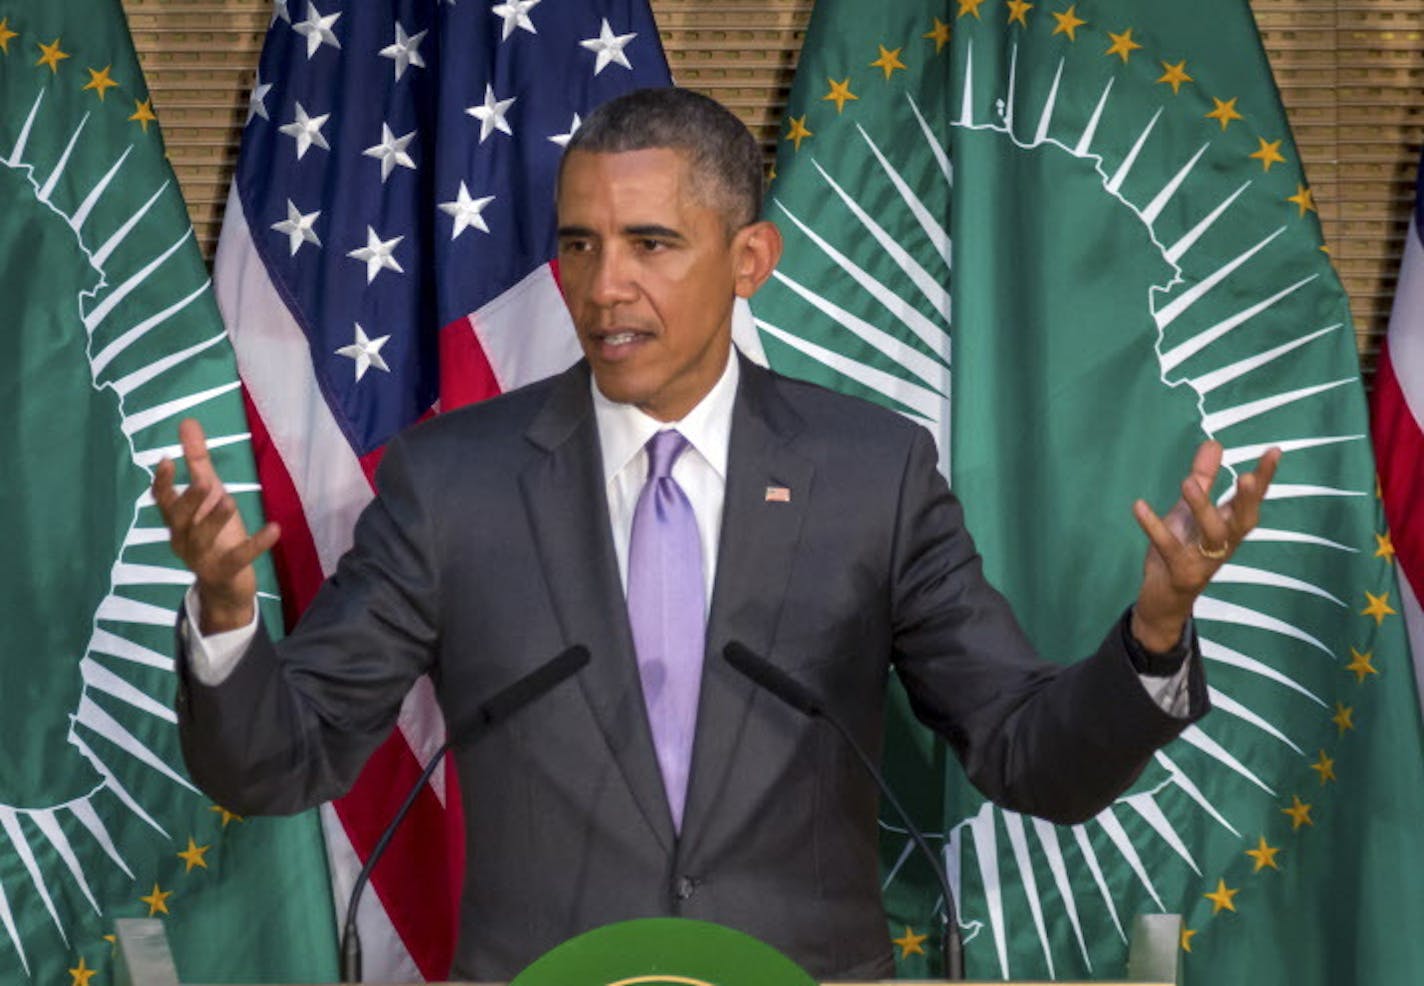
{"points": [[486, 717], [801, 698]]}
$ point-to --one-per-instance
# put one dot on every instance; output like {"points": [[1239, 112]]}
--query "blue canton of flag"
{"points": [[398, 171]]}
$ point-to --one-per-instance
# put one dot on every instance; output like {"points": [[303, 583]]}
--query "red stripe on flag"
{"points": [[1399, 451], [466, 375], [416, 894], [294, 556]]}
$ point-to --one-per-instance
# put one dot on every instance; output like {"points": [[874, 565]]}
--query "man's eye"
{"points": [[648, 245], [575, 246]]}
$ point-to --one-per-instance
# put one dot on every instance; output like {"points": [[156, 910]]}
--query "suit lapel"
{"points": [[760, 534], [563, 491]]}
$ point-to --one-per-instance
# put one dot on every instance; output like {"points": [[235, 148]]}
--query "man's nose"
{"points": [[613, 281]]}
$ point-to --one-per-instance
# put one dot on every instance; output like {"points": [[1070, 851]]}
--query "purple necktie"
{"points": [[666, 611]]}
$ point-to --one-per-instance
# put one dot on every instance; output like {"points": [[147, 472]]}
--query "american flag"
{"points": [[387, 253], [1397, 422]]}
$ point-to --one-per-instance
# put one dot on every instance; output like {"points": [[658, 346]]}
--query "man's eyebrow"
{"points": [[574, 231], [653, 231]]}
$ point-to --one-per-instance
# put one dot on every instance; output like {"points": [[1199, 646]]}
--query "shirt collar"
{"points": [[623, 429]]}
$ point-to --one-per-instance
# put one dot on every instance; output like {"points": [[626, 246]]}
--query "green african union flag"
{"points": [[109, 335], [1100, 206]]}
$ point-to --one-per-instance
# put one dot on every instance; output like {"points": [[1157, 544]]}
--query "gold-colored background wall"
{"points": [[1351, 75]]}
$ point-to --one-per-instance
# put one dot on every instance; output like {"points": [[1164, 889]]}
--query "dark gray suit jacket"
{"points": [[488, 551]]}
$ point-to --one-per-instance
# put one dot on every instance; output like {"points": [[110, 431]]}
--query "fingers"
{"points": [[1244, 509], [1231, 523], [242, 555], [263, 541], [1206, 463], [163, 492], [205, 489], [1213, 528], [180, 510], [1168, 545], [195, 452], [210, 518], [1210, 526]]}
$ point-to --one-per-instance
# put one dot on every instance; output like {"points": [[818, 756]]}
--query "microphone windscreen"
{"points": [[772, 678], [536, 683]]}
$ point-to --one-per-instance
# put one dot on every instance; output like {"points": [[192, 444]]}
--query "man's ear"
{"points": [[756, 248]]}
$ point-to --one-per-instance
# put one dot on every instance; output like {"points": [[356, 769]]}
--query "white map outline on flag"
{"points": [[98, 732]]}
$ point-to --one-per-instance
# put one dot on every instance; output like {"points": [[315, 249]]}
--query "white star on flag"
{"points": [[377, 255], [609, 47], [317, 30], [298, 227], [563, 139], [391, 151], [491, 114], [279, 12], [366, 352], [403, 51], [307, 130], [466, 211], [515, 14], [256, 105]]}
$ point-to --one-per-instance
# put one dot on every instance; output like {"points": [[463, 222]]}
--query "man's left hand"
{"points": [[1191, 543]]}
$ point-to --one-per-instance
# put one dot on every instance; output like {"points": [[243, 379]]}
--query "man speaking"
{"points": [[656, 502]]}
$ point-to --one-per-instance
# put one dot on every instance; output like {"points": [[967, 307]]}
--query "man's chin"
{"points": [[618, 383]]}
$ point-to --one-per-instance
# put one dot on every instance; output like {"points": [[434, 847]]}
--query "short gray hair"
{"points": [[726, 161]]}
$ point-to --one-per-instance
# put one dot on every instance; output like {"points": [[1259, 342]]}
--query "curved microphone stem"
{"points": [[486, 717], [350, 940], [799, 697], [951, 948]]}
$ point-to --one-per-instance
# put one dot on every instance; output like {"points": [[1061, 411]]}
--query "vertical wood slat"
{"points": [[1350, 73]]}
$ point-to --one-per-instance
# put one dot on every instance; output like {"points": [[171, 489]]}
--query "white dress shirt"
{"points": [[701, 471]]}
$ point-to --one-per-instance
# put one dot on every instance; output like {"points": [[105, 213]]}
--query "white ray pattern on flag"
{"points": [[1190, 355], [61, 871]]}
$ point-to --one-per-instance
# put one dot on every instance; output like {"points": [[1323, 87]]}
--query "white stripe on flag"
{"points": [[526, 332]]}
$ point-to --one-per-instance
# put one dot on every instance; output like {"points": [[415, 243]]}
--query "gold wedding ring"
{"points": [[1213, 554]]}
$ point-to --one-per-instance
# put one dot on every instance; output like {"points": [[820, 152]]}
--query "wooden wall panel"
{"points": [[1351, 75]]}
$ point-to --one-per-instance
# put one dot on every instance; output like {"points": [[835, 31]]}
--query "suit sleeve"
{"points": [[295, 721], [1059, 742]]}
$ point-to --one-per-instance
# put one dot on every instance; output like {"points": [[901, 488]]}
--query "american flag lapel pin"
{"points": [[778, 494]]}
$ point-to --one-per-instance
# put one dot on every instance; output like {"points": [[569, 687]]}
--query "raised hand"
{"points": [[208, 535], [1191, 542]]}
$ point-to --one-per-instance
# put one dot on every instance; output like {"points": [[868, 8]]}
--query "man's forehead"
{"points": [[652, 180], [661, 165]]}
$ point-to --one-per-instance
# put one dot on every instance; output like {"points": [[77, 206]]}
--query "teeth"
{"points": [[620, 339]]}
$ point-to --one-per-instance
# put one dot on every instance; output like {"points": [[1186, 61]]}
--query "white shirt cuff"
{"points": [[1170, 693], [212, 658]]}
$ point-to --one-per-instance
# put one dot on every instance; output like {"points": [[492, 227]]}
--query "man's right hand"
{"points": [[208, 535]]}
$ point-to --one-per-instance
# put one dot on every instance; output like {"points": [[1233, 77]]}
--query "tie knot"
{"points": [[663, 450]]}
